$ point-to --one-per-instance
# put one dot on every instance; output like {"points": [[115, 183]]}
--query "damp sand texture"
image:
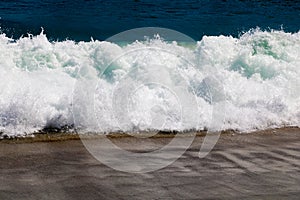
{"points": [[261, 165]]}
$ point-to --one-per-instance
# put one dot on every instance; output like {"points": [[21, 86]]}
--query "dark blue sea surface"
{"points": [[83, 19]]}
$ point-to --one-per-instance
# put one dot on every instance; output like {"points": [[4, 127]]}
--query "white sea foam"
{"points": [[259, 73]]}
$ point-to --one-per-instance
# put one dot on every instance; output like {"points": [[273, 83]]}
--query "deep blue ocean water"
{"points": [[100, 19]]}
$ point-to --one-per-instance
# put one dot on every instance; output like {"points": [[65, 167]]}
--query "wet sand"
{"points": [[262, 165]]}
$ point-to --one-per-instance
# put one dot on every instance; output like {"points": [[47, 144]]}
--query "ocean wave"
{"points": [[258, 72]]}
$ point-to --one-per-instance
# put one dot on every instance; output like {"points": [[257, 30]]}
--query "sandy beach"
{"points": [[261, 165]]}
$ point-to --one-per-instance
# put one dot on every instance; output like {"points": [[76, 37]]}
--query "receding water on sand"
{"points": [[261, 165]]}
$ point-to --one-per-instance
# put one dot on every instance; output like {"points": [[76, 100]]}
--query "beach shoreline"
{"points": [[261, 165], [49, 136]]}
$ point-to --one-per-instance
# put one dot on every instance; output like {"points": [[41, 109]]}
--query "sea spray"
{"points": [[259, 72]]}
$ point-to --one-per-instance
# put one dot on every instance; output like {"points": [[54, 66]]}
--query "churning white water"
{"points": [[150, 85]]}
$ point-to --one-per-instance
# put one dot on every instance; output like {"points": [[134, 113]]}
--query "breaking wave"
{"points": [[259, 73]]}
